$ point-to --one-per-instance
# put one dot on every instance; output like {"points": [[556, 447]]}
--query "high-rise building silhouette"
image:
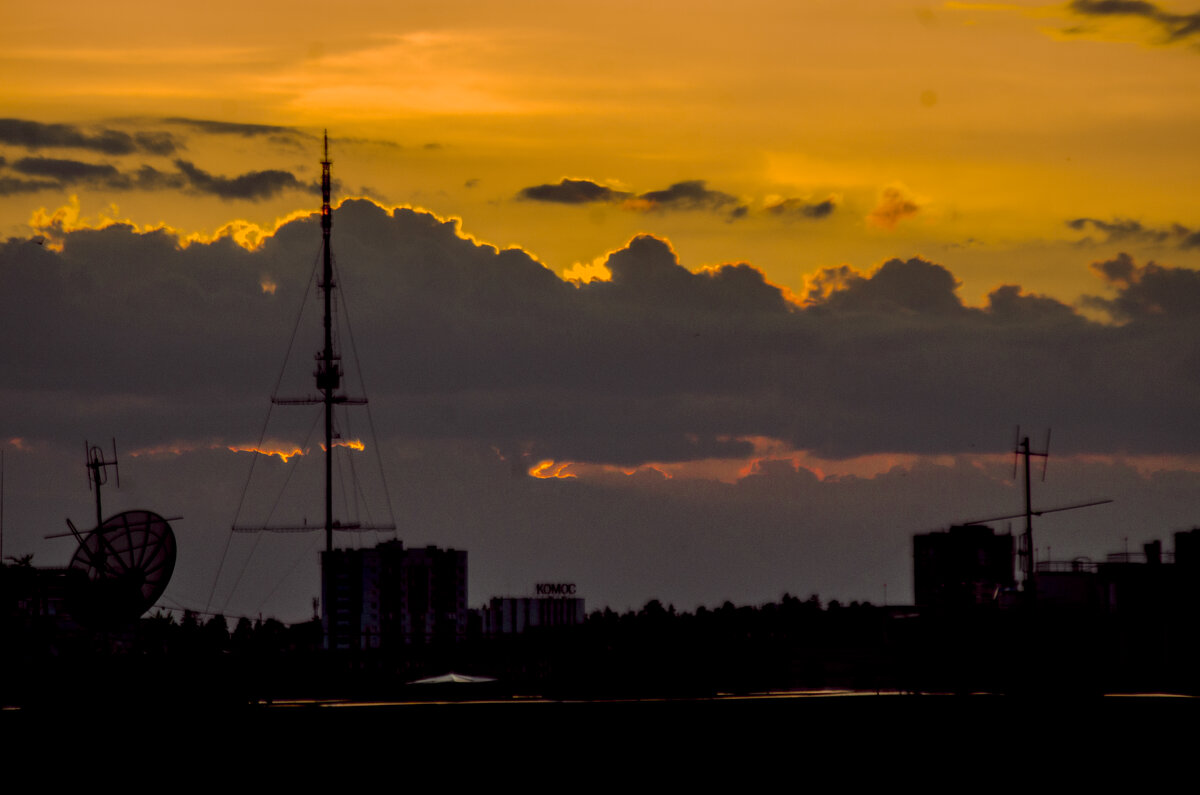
{"points": [[390, 597]]}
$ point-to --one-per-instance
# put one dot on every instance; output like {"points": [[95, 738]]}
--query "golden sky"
{"points": [[967, 133]]}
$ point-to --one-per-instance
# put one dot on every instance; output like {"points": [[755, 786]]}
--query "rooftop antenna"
{"points": [[1026, 551], [94, 460], [1026, 548], [127, 560]]}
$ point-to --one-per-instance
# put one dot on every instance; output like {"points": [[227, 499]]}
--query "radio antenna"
{"points": [[94, 460]]}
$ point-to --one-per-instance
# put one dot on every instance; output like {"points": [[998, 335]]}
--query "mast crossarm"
{"points": [[307, 528], [1039, 513], [313, 401]]}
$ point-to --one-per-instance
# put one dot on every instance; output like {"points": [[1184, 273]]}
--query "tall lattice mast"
{"points": [[329, 373]]}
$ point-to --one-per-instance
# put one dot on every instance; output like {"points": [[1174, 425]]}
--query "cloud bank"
{"points": [[658, 364], [483, 363]]}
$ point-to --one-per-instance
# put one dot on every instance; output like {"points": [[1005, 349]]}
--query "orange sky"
{"points": [[966, 133]]}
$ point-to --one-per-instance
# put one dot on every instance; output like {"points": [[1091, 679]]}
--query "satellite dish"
{"points": [[128, 561]]}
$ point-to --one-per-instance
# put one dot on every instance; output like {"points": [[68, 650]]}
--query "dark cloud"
{"points": [[689, 195], [1120, 229], [803, 208], [150, 178], [157, 143], [1124, 230], [70, 172], [1121, 270], [11, 186], [1174, 27], [65, 171], [1008, 303], [915, 286], [235, 128], [347, 140], [1149, 292], [647, 274], [35, 135], [572, 191], [253, 185]]}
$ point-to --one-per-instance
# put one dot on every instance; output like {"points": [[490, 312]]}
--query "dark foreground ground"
{"points": [[1130, 730], [853, 743]]}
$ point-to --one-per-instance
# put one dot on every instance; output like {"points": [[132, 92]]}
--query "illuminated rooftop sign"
{"points": [[555, 589]]}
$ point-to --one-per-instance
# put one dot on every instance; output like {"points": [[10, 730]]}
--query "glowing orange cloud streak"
{"points": [[353, 444], [283, 453], [766, 450], [549, 469]]}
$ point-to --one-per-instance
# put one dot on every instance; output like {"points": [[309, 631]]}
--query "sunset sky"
{"points": [[674, 300]]}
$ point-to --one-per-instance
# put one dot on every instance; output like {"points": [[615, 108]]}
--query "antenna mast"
{"points": [[329, 374], [1026, 550], [94, 460]]}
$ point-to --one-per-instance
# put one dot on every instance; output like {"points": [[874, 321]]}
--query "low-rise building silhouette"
{"points": [[1126, 583], [555, 605]]}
